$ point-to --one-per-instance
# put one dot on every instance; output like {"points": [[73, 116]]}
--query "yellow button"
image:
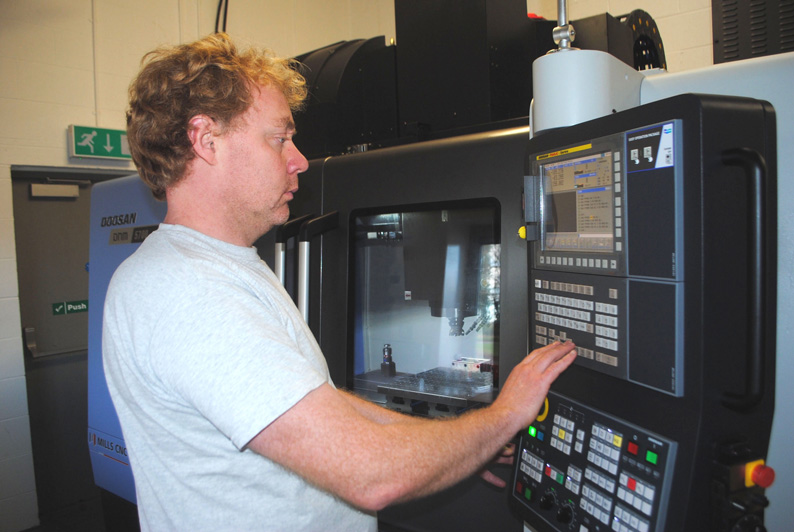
{"points": [[617, 441]]}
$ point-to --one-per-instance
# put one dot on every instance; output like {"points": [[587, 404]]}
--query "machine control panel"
{"points": [[583, 470], [626, 218], [608, 253]]}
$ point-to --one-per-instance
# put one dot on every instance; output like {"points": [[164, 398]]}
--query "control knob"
{"points": [[749, 523], [565, 514], [548, 500]]}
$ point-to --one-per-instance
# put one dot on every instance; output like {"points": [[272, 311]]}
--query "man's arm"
{"points": [[374, 412], [372, 461], [381, 414]]}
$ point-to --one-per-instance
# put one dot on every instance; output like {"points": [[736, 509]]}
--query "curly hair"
{"points": [[176, 83]]}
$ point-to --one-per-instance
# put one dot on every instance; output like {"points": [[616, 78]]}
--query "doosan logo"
{"points": [[119, 219]]}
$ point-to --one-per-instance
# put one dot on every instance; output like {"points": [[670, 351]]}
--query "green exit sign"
{"points": [[98, 143]]}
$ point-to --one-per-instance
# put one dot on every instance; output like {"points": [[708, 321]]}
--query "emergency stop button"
{"points": [[757, 473]]}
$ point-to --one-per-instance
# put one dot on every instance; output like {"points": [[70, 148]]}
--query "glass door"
{"points": [[425, 305]]}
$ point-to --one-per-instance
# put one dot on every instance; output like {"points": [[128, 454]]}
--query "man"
{"points": [[228, 411]]}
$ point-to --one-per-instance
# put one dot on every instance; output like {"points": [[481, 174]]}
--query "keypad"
{"points": [[563, 435], [563, 311], [626, 520], [604, 265], [636, 493], [594, 503], [532, 465], [605, 449]]}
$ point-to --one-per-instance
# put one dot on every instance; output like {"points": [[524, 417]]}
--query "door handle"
{"points": [[283, 234], [754, 167], [32, 348], [308, 230], [29, 337]]}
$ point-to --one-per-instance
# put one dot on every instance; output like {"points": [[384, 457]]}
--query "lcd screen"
{"points": [[579, 204]]}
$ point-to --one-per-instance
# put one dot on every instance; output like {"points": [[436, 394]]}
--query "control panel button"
{"points": [[761, 474], [651, 457]]}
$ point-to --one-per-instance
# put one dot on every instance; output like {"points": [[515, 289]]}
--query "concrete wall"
{"points": [[68, 62]]}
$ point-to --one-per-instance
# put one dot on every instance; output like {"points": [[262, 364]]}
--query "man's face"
{"points": [[261, 164]]}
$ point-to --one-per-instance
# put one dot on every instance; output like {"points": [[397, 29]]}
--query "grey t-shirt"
{"points": [[202, 350]]}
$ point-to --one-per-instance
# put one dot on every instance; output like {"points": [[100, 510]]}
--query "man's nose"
{"points": [[298, 163]]}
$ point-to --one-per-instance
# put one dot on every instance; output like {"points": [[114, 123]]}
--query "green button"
{"points": [[533, 432], [652, 457], [560, 478], [528, 494]]}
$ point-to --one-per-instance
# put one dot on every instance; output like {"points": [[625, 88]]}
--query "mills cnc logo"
{"points": [[116, 448]]}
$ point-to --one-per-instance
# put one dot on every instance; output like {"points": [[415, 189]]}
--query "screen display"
{"points": [[579, 204]]}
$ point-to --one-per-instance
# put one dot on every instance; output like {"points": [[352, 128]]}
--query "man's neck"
{"points": [[203, 213]]}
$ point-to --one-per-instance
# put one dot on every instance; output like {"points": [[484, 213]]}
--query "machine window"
{"points": [[426, 305]]}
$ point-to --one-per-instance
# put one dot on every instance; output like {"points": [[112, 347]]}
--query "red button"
{"points": [[632, 485], [519, 487], [633, 449], [548, 471], [763, 475]]}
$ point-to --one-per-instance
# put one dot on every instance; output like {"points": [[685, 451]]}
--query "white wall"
{"points": [[684, 25], [68, 62]]}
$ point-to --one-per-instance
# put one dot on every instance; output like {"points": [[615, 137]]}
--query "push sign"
{"points": [[69, 307]]}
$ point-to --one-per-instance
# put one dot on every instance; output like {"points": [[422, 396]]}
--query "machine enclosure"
{"points": [[491, 166]]}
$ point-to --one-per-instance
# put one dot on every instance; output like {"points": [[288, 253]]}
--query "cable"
{"points": [[225, 5]]}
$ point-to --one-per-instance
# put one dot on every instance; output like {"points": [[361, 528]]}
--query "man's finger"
{"points": [[490, 478], [550, 353]]}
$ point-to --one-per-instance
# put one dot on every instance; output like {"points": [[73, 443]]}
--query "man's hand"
{"points": [[505, 456], [524, 391], [527, 385]]}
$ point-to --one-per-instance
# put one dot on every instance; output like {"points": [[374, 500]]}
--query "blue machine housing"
{"points": [[123, 213]]}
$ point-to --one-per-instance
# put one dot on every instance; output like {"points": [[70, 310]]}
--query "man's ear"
{"points": [[200, 133]]}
